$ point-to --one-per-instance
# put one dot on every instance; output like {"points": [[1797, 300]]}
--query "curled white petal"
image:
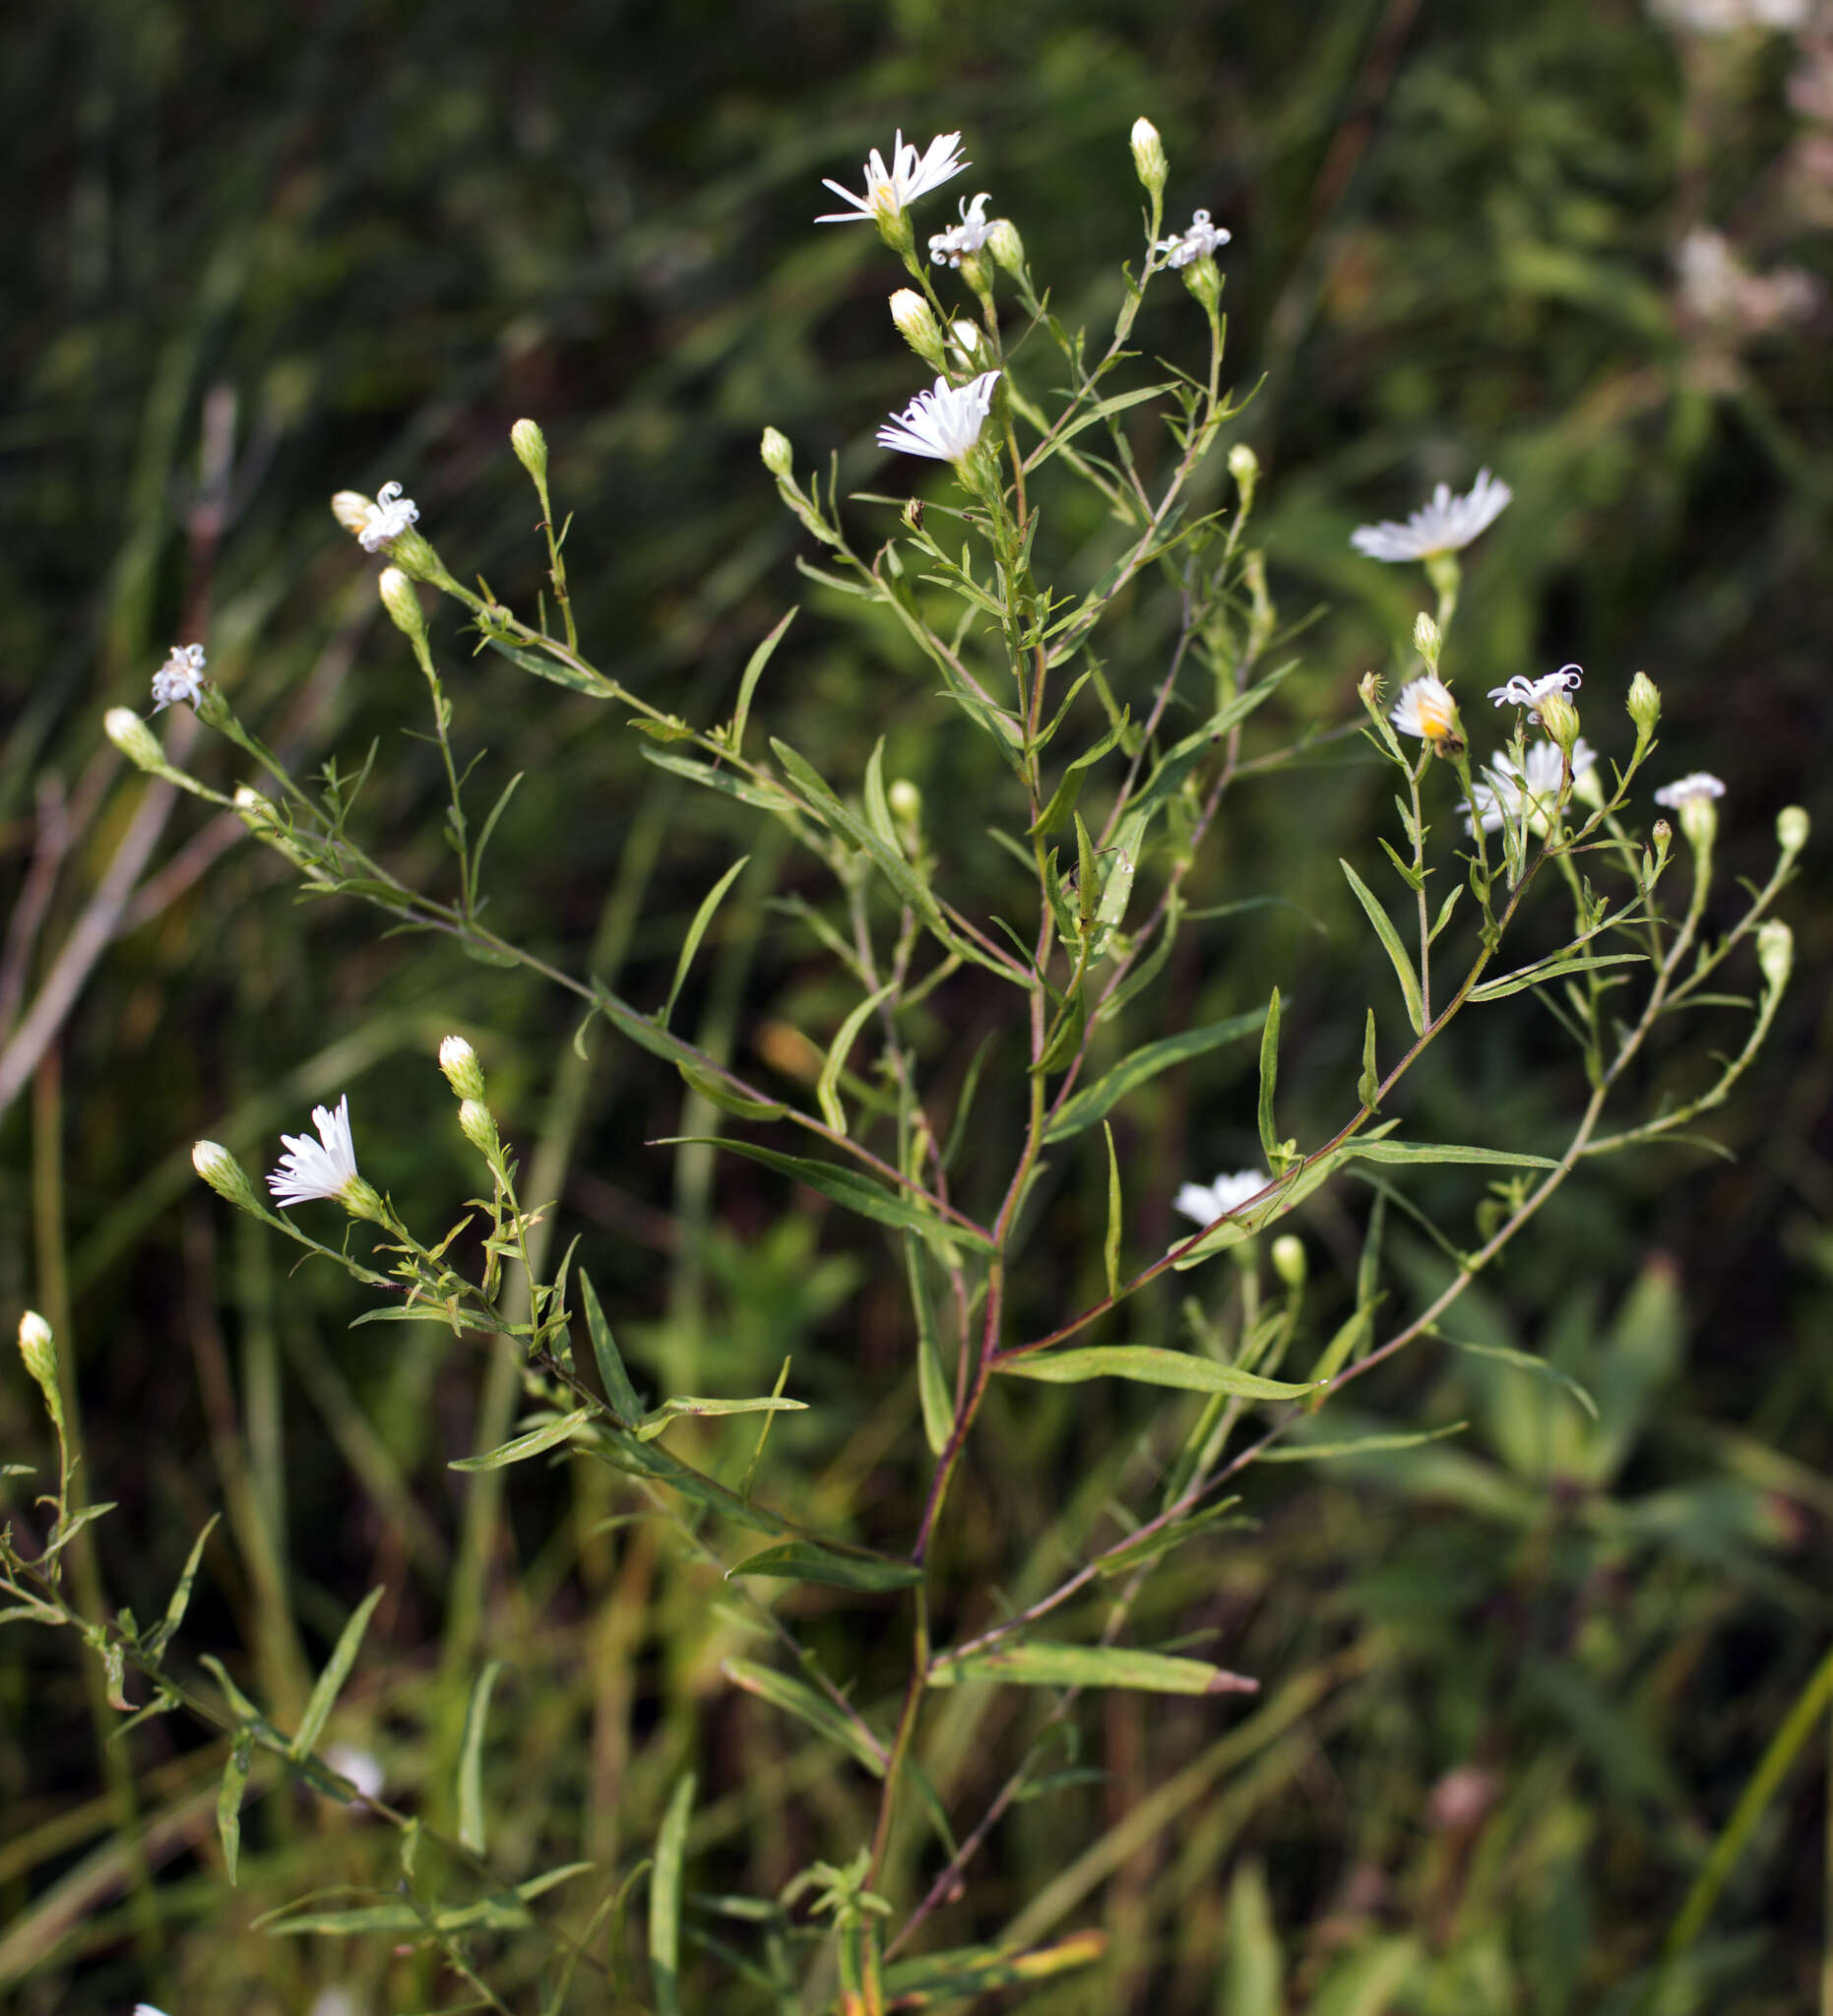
{"points": [[944, 422], [387, 518], [316, 1169], [952, 246], [1202, 240], [1441, 525], [889, 189], [1529, 693], [180, 678]]}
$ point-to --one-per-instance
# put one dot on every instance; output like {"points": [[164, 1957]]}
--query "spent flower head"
{"points": [[381, 522], [1202, 240], [1425, 708], [961, 241], [943, 423], [1529, 693], [180, 678], [889, 189], [1206, 1202], [1442, 525], [1503, 789]]}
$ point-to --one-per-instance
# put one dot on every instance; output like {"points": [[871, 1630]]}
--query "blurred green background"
{"points": [[262, 254]]}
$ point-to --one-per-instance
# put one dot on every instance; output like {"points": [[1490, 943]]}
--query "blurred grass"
{"points": [[1523, 1685]]}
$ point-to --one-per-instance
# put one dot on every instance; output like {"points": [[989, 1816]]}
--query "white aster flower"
{"points": [[889, 189], [1425, 708], [1207, 1202], [1529, 693], [1698, 784], [180, 678], [1500, 793], [324, 1167], [386, 519], [1440, 526], [943, 423], [1200, 241], [952, 246], [147, 2009]]}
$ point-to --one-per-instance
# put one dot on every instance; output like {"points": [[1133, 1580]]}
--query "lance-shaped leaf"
{"points": [[665, 1898], [471, 1832], [1151, 1365], [697, 930], [653, 1424], [160, 1636], [610, 1361], [842, 819], [801, 1560], [537, 1442], [1368, 1150], [330, 1683], [747, 686], [796, 1697], [716, 1093], [1391, 945], [1549, 970], [1269, 1081], [559, 671], [229, 1799], [1357, 1445], [827, 1085], [1041, 1663], [1069, 787], [1085, 1107]]}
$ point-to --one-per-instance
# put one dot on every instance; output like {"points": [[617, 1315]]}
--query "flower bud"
{"points": [[530, 445], [412, 553], [778, 456], [1149, 161], [1644, 704], [1559, 718], [135, 740], [1700, 820], [401, 604], [361, 1199], [1289, 1259], [1202, 278], [38, 1348], [458, 1061], [351, 508], [225, 1176], [916, 323], [905, 800], [1244, 468], [478, 1126], [1007, 248], [1791, 829], [1427, 640], [1775, 952]]}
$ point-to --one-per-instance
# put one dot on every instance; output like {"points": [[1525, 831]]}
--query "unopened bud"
{"points": [[1775, 952], [1427, 640], [1244, 468], [351, 508], [225, 1176], [135, 740], [1644, 704], [1288, 1258], [38, 1348], [1700, 820], [1006, 247], [412, 553], [905, 800], [916, 323], [1203, 279], [1149, 161], [1559, 718], [1791, 829], [401, 604], [778, 456], [478, 1126], [458, 1061], [530, 445]]}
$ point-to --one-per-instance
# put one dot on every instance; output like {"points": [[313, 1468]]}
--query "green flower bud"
{"points": [[1644, 704], [225, 1176], [530, 445], [478, 1126], [401, 604], [916, 323], [1244, 468], [1149, 161], [778, 456], [135, 740], [413, 555], [458, 1061], [351, 508], [1559, 718], [38, 1348], [1007, 248], [1775, 952], [905, 800], [1288, 1261], [1427, 640], [361, 1199], [1791, 829]]}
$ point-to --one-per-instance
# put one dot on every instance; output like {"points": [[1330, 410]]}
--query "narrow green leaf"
{"points": [[671, 729], [557, 669], [763, 1434], [1526, 1361], [854, 1192], [801, 1560], [765, 797], [623, 1979], [964, 1102], [1085, 1107], [716, 1093], [1065, 1040], [703, 917], [620, 1449], [181, 1596], [653, 1424], [938, 1405], [1110, 1246], [747, 686], [664, 1900], [1103, 410], [1123, 1560], [1351, 1335], [872, 796], [535, 1443], [330, 1683], [1069, 786], [1549, 970], [1291, 1192], [840, 818], [1356, 1446], [1149, 1363], [1368, 1085], [610, 1361], [1269, 1080], [471, 1830], [1040, 1663], [230, 1798], [1443, 1150], [796, 1697], [1390, 943], [827, 1085]]}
